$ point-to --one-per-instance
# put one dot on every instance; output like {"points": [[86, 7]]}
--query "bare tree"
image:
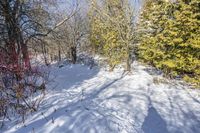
{"points": [[22, 25]]}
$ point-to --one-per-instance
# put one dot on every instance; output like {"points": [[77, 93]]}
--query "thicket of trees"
{"points": [[171, 41], [26, 26], [20, 21], [167, 37]]}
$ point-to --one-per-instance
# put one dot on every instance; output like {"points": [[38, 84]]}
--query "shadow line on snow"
{"points": [[77, 113]]}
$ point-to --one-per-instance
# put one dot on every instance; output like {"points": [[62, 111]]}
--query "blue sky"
{"points": [[68, 5]]}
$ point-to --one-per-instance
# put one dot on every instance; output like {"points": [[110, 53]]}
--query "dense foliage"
{"points": [[111, 31], [171, 41]]}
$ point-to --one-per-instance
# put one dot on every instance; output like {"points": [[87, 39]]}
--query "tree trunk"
{"points": [[59, 53], [128, 60], [73, 54], [44, 51], [26, 56], [128, 65], [24, 48], [15, 43], [51, 57]]}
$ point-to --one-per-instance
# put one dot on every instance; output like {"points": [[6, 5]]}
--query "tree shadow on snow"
{"points": [[74, 117], [88, 113], [71, 76]]}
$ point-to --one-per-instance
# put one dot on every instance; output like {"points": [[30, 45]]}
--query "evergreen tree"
{"points": [[172, 38]]}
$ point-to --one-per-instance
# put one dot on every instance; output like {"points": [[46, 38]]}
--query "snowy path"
{"points": [[97, 101]]}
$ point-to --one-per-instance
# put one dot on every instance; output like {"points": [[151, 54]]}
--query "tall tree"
{"points": [[112, 30], [20, 20]]}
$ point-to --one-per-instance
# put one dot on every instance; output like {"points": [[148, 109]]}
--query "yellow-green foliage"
{"points": [[172, 39], [105, 34]]}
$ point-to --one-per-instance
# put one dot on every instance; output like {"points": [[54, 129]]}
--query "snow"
{"points": [[82, 100]]}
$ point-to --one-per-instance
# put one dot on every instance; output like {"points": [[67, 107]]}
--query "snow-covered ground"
{"points": [[80, 100]]}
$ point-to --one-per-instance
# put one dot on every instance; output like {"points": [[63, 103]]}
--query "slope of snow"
{"points": [[80, 100]]}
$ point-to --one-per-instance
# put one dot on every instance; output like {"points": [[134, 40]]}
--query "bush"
{"points": [[18, 86]]}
